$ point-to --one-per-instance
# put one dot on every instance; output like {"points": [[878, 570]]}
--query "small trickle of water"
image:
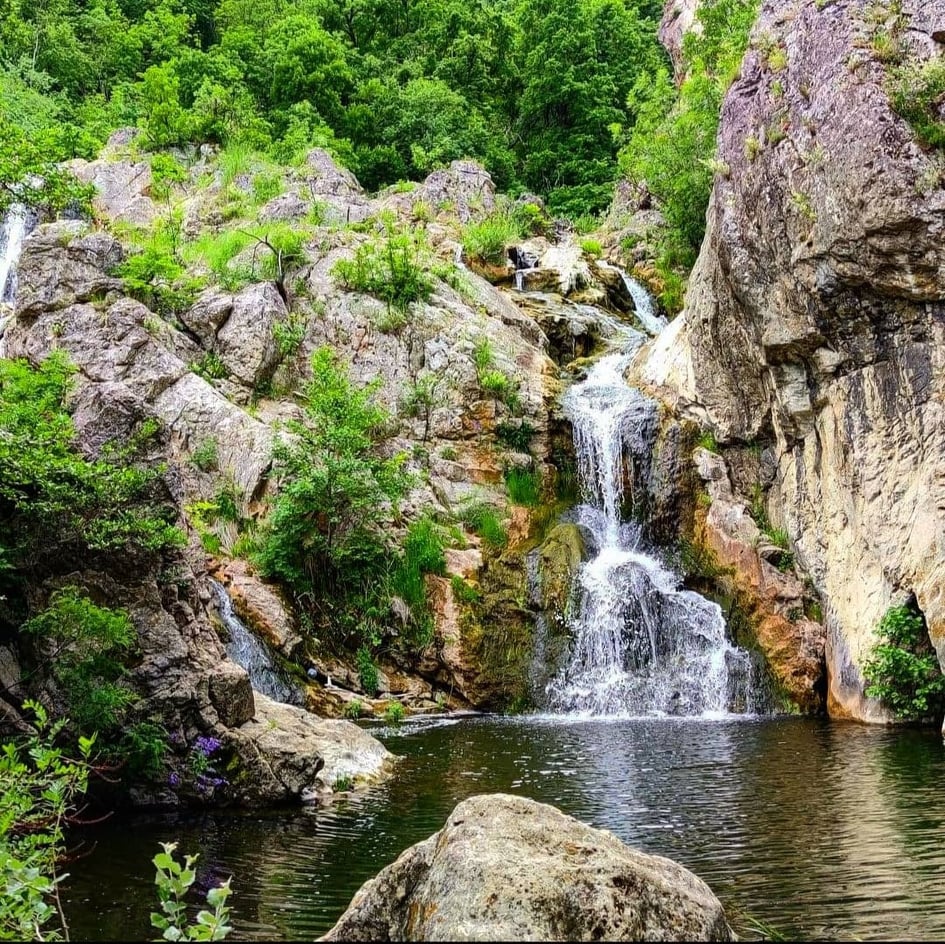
{"points": [[641, 645], [642, 301], [253, 655]]}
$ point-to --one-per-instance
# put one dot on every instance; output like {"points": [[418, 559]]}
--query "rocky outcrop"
{"points": [[506, 868], [814, 316], [679, 18]]}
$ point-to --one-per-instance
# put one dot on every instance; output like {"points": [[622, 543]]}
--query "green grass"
{"points": [[524, 486], [487, 240], [464, 592], [482, 519]]}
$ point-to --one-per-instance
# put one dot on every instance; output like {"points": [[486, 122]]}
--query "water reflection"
{"points": [[818, 829]]}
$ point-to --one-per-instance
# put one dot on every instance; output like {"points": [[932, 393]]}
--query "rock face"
{"points": [[679, 17], [815, 316], [505, 868]]}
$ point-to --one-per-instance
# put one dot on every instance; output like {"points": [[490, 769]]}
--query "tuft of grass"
{"points": [[708, 442], [524, 486], [483, 519], [394, 713], [487, 240], [464, 592], [205, 456], [591, 247]]}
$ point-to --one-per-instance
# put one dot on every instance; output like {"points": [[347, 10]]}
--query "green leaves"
{"points": [[174, 880], [902, 669]]}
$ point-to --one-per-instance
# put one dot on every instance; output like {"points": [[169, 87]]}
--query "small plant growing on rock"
{"points": [[591, 247], [487, 240], [205, 457], [367, 670], [524, 486], [354, 709], [394, 713], [916, 91], [484, 520], [211, 367], [903, 669]]}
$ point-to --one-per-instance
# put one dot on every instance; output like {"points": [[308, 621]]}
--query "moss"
{"points": [[560, 556]]}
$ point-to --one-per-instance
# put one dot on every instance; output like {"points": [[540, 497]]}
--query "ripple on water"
{"points": [[817, 829]]}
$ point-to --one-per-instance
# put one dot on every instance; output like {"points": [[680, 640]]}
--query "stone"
{"points": [[232, 694], [815, 323], [246, 340], [506, 868], [122, 187], [63, 263]]}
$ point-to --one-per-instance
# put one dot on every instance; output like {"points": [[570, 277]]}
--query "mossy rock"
{"points": [[560, 555]]}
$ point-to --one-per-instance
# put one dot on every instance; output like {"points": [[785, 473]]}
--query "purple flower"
{"points": [[207, 745], [173, 780]]}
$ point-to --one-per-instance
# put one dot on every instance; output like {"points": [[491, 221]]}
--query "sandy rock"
{"points": [[506, 868]]}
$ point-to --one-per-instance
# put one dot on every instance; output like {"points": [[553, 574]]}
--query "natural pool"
{"points": [[818, 829]]}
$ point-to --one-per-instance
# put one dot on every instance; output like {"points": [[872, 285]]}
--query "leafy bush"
{"points": [[391, 268], [487, 239], [354, 709], [174, 880], [89, 644], [53, 500], [321, 532], [516, 435], [205, 457], [524, 485], [210, 366], [394, 713], [39, 792], [903, 669], [367, 670]]}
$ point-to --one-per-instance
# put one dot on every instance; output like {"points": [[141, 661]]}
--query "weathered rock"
{"points": [[559, 558], [815, 318], [231, 694], [246, 341], [506, 868], [302, 753], [64, 263], [679, 18], [122, 188]]}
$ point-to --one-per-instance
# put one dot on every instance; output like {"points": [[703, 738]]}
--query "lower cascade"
{"points": [[641, 645], [252, 654]]}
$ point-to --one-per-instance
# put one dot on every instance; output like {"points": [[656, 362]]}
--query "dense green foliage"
{"points": [[174, 880], [336, 488], [672, 140], [395, 90], [54, 502], [903, 669]]}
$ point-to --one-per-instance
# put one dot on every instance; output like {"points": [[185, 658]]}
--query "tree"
{"points": [[336, 486]]}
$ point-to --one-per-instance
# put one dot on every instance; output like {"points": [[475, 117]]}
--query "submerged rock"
{"points": [[505, 868]]}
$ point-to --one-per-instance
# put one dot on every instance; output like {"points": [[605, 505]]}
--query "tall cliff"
{"points": [[815, 318]]}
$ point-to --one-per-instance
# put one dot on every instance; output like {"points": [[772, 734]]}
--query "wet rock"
{"points": [[559, 557], [506, 868], [231, 694]]}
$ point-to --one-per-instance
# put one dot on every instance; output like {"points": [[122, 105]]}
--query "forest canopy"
{"points": [[394, 88]]}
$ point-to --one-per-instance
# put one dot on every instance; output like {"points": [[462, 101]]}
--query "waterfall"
{"points": [[252, 654], [641, 644], [15, 228], [644, 308]]}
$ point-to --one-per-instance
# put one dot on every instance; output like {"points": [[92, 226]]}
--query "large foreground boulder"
{"points": [[506, 868]]}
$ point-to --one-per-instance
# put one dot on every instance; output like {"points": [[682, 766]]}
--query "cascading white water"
{"points": [[13, 231], [644, 308], [641, 644], [251, 653]]}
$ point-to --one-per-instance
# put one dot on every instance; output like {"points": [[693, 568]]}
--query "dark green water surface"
{"points": [[818, 829]]}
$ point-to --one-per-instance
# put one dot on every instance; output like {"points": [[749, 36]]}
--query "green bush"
{"points": [[210, 366], [321, 533], [516, 435], [903, 669], [205, 457], [53, 501], [487, 240], [524, 486], [464, 592], [391, 268], [394, 713], [367, 670], [591, 247]]}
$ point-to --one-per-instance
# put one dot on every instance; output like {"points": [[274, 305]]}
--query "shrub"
{"points": [[354, 709], [487, 240], [707, 441], [903, 669], [367, 670], [392, 268], [89, 644], [290, 334], [524, 485], [217, 251], [516, 435], [464, 592], [174, 880], [210, 366], [39, 792], [394, 713], [591, 247], [321, 532]]}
